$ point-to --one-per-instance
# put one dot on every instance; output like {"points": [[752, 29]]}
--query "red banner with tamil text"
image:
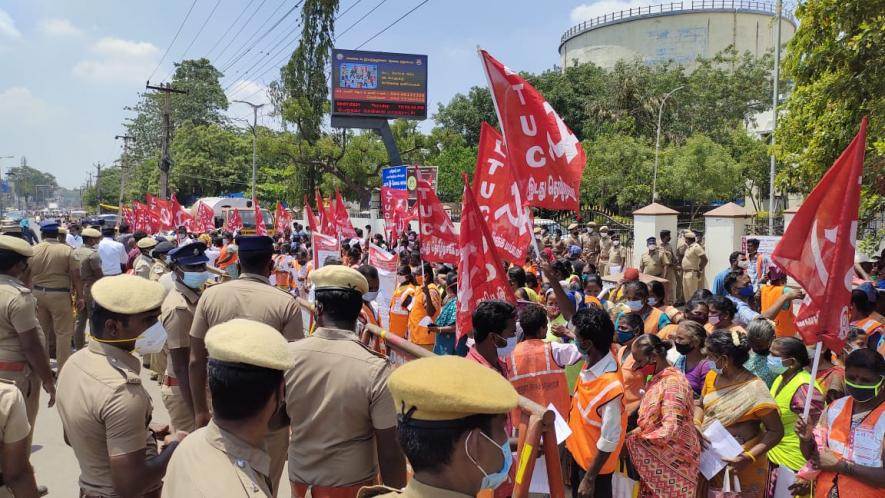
{"points": [[439, 242]]}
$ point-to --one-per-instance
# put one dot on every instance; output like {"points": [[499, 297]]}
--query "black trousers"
{"points": [[603, 488]]}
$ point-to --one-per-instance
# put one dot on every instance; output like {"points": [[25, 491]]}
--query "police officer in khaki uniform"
{"points": [[574, 237], [52, 273], [693, 263], [104, 409], [590, 244], [16, 475], [144, 262], [189, 268], [160, 273], [159, 253], [23, 357], [605, 245], [88, 272], [336, 377], [673, 271], [455, 431], [227, 459], [617, 255], [655, 261], [251, 296]]}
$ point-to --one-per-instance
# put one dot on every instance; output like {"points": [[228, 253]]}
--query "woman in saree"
{"points": [[664, 448], [743, 404]]}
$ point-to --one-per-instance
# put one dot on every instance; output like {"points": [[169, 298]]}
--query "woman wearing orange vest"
{"points": [[770, 292], [636, 299], [657, 299], [847, 444], [369, 313], [597, 418], [424, 310], [401, 302], [537, 367]]}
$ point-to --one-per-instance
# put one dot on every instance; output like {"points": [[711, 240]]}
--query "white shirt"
{"points": [[212, 253], [611, 412], [112, 254], [74, 241], [565, 354]]}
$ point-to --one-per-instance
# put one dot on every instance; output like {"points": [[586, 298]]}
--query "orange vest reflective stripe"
{"points": [[419, 319], [282, 275], [399, 316], [783, 321], [593, 301], [652, 321], [867, 324], [862, 446], [586, 421], [535, 374], [226, 258], [367, 316]]}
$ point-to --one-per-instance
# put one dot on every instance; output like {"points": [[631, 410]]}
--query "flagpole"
{"points": [[514, 171], [811, 387]]}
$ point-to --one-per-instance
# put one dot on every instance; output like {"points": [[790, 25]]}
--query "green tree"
{"points": [[464, 114], [210, 159], [28, 181], [836, 61], [205, 100], [699, 172], [107, 191], [618, 172]]}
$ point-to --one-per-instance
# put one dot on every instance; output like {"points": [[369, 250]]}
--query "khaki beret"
{"points": [[146, 242], [603, 228], [63, 230], [15, 244], [689, 235], [91, 232], [250, 342], [573, 226], [127, 294], [537, 229], [339, 277], [592, 224], [469, 389]]}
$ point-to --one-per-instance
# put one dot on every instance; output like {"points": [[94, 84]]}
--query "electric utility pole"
{"points": [[165, 160], [255, 108], [774, 101], [98, 187], [124, 167]]}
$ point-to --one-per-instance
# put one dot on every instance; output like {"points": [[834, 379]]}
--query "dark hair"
{"points": [[406, 271], [734, 256], [721, 343], [451, 279], [632, 320], [428, 270], [355, 252], [100, 316], [430, 449], [491, 317], [855, 332], [731, 279], [665, 233], [138, 235], [701, 294], [255, 261], [8, 259], [533, 320], [754, 242], [723, 305], [695, 302], [124, 227], [240, 391], [648, 343], [518, 275], [73, 226], [594, 325], [531, 280], [656, 289], [368, 271], [339, 304], [593, 277], [866, 358], [562, 267], [794, 348], [331, 261], [636, 287], [698, 332], [578, 267], [861, 302]]}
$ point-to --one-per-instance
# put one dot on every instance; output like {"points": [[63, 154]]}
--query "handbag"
{"points": [[728, 490], [622, 485]]}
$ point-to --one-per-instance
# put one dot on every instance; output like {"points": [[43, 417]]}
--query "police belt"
{"points": [[51, 289]]}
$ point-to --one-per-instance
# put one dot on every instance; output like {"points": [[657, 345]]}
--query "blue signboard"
{"points": [[395, 177]]}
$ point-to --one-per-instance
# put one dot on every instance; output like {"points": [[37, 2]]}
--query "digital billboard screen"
{"points": [[379, 84]]}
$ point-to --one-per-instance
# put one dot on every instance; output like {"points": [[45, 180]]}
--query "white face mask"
{"points": [[616, 243], [370, 296], [634, 305], [743, 264], [713, 319], [506, 350], [151, 340], [652, 301]]}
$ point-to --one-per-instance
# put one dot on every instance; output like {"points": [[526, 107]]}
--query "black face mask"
{"points": [[683, 349]]}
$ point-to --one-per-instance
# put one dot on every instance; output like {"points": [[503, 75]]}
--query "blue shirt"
{"points": [[719, 282], [744, 312]]}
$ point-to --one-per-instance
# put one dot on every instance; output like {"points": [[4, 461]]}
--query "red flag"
{"points": [[161, 213], [260, 229], [128, 217], [499, 199], [395, 204], [180, 216], [282, 219], [818, 247], [312, 223], [324, 246], [205, 218], [142, 218], [548, 158], [480, 272], [327, 223], [439, 242], [234, 221], [342, 219]]}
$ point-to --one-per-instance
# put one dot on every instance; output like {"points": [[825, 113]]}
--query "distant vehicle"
{"points": [[248, 217], [77, 214], [102, 220]]}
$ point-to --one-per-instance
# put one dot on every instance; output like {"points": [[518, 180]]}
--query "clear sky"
{"points": [[69, 67]]}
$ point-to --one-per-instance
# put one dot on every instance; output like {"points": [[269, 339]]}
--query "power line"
{"points": [[361, 19], [226, 31], [348, 9], [376, 35], [199, 31], [261, 60], [279, 21], [241, 29], [173, 39]]}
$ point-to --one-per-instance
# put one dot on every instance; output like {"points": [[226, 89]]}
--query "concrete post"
{"points": [[788, 216], [724, 227], [648, 222]]}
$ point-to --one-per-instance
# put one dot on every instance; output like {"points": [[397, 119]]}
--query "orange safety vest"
{"points": [[783, 321], [282, 276], [419, 319], [535, 374], [867, 324], [399, 316], [226, 259], [593, 301], [633, 380], [652, 321], [367, 316], [586, 421], [862, 446]]}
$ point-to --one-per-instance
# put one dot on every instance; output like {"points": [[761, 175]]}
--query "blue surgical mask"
{"points": [[493, 480], [624, 336], [652, 301], [194, 279], [776, 364], [715, 368], [746, 291], [634, 305]]}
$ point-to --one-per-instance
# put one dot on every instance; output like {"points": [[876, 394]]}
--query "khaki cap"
{"points": [[127, 294], [15, 244], [90, 232], [469, 389], [146, 242], [339, 277], [537, 230], [573, 226], [689, 235], [63, 230], [603, 228], [250, 342]]}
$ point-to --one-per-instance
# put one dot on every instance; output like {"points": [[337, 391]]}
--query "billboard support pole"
{"points": [[380, 125]]}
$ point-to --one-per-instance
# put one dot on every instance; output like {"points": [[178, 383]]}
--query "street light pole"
{"points": [[774, 99], [654, 181], [1, 181], [255, 108]]}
